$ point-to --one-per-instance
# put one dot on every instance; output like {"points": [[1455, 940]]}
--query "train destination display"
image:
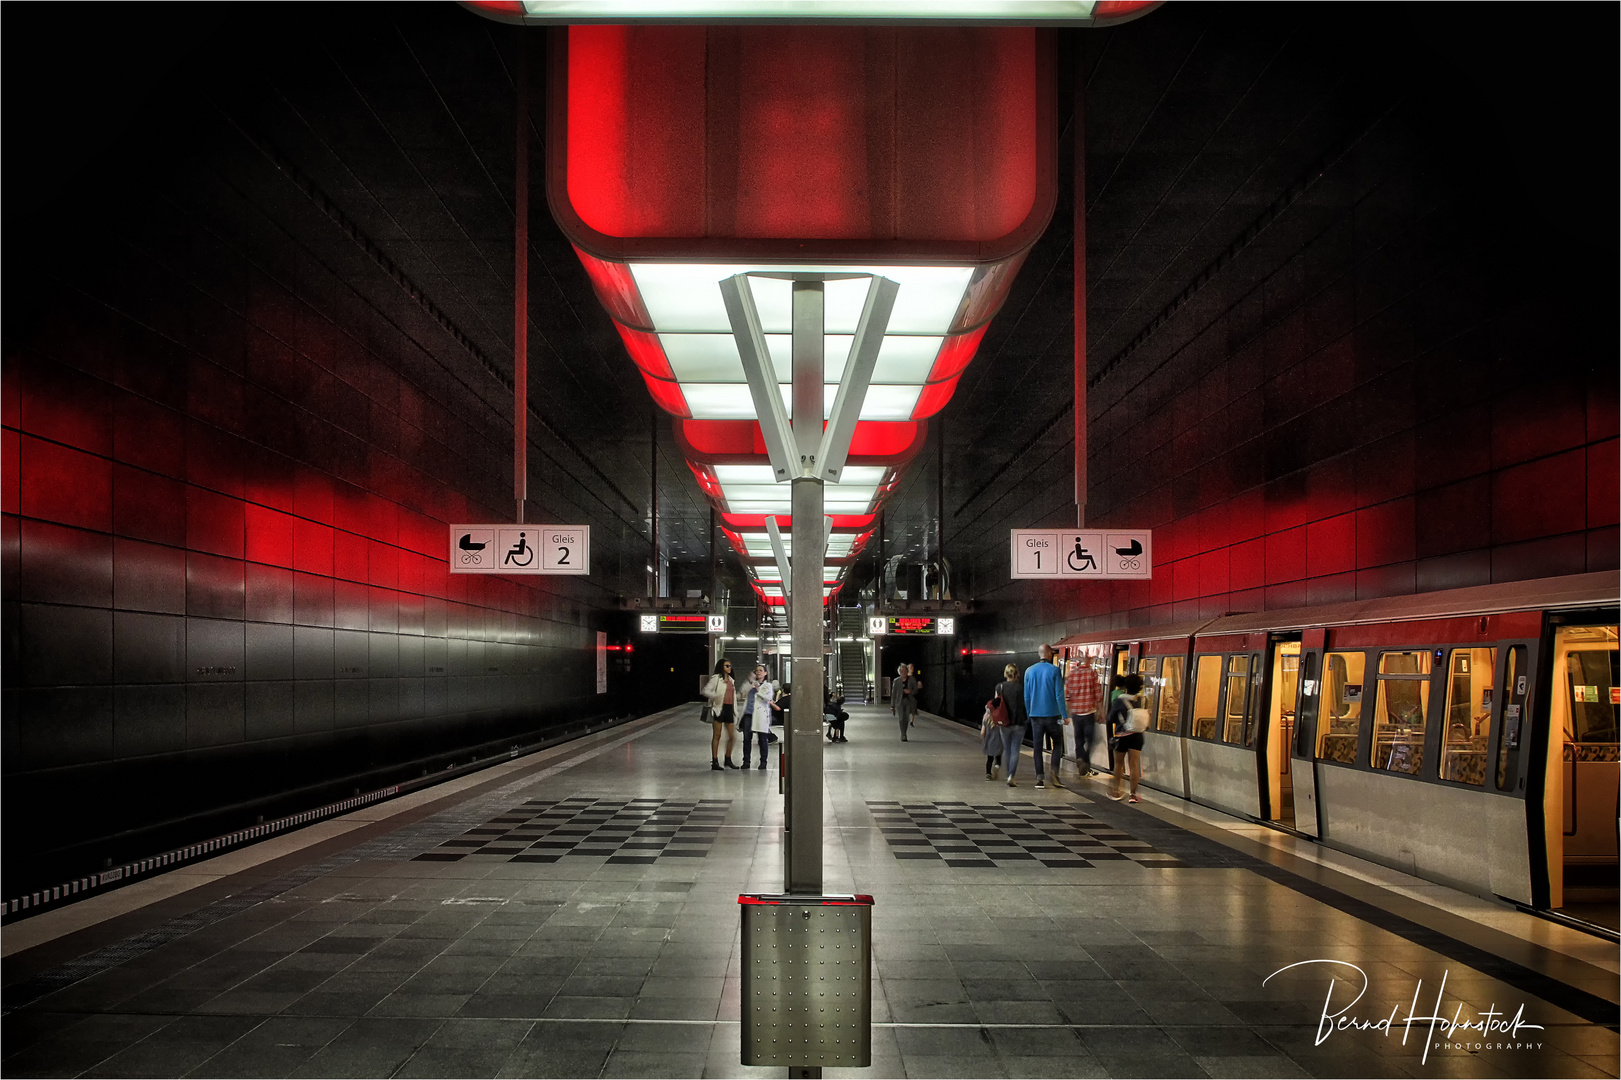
{"points": [[675, 624], [937, 626]]}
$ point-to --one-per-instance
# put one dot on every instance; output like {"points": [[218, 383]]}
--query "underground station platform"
{"points": [[576, 913]]}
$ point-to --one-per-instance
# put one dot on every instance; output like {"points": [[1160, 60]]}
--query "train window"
{"points": [[1398, 715], [1339, 718], [1236, 712], [1308, 691], [1592, 680], [1147, 667], [1170, 695], [1471, 679], [1206, 696], [1508, 743]]}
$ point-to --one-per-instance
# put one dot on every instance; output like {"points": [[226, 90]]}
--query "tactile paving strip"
{"points": [[635, 831], [1007, 834]]}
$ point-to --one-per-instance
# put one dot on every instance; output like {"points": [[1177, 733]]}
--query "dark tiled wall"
{"points": [[1422, 395], [228, 478]]}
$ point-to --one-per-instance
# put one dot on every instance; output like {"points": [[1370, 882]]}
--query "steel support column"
{"points": [[520, 298], [804, 738], [1080, 287]]}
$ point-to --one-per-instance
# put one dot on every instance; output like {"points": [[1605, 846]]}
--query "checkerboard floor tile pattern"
{"points": [[1005, 834], [634, 831]]}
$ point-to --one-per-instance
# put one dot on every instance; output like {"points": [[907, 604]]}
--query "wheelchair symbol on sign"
{"points": [[1080, 559], [521, 553]]}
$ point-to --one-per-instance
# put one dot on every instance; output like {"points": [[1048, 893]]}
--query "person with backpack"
{"points": [[1128, 719], [990, 735], [1011, 692]]}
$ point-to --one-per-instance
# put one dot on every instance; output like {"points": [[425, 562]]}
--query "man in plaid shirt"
{"points": [[1084, 693]]}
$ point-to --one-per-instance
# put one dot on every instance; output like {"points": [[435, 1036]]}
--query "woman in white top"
{"points": [[721, 693], [757, 712]]}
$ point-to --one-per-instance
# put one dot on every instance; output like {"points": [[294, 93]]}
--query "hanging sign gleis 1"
{"points": [[1079, 554], [520, 549]]}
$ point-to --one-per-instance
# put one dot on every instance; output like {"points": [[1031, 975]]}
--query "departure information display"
{"points": [[920, 625], [683, 624]]}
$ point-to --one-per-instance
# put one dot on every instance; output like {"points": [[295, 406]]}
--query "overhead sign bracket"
{"points": [[762, 376]]}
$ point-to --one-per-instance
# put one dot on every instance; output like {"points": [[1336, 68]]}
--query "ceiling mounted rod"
{"points": [[762, 376], [781, 552], [852, 395]]}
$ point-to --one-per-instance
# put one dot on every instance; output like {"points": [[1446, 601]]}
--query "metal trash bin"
{"points": [[807, 980]]}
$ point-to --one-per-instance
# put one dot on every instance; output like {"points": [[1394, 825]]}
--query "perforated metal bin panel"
{"points": [[807, 980]]}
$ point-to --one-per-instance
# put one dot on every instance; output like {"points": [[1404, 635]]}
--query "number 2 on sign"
{"points": [[562, 560]]}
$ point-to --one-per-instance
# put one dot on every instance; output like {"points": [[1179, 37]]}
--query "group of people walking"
{"points": [[1043, 702]]}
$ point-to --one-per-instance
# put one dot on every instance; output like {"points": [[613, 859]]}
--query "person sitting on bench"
{"points": [[833, 712]]}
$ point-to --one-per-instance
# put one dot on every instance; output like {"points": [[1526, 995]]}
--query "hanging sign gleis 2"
{"points": [[1079, 554], [520, 549]]}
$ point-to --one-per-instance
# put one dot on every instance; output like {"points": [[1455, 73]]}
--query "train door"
{"points": [[1583, 777], [1277, 733], [1303, 748]]}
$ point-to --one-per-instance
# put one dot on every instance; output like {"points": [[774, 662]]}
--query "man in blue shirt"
{"points": [[1044, 702]]}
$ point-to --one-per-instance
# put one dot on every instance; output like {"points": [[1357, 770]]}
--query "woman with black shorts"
{"points": [[721, 693], [1128, 745]]}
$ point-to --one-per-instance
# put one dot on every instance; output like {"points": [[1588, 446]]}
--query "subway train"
{"points": [[1466, 737]]}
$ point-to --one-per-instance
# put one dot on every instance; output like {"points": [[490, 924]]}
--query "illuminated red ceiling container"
{"points": [[681, 155]]}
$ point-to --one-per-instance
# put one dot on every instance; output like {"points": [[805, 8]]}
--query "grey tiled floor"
{"points": [[370, 961]]}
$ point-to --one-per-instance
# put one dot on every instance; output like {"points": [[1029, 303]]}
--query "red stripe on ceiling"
{"points": [[933, 398], [738, 442], [616, 289], [955, 354], [648, 354], [667, 395], [841, 522], [677, 131]]}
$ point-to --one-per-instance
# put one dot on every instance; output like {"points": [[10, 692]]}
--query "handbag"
{"points": [[706, 715], [997, 710]]}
